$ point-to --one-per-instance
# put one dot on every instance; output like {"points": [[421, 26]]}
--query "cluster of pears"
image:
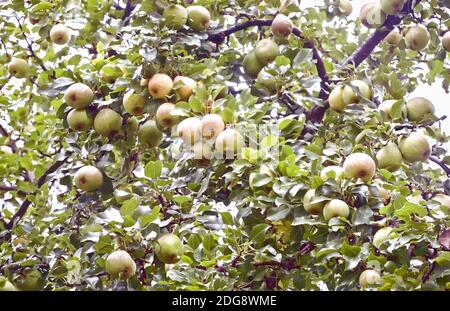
{"points": [[196, 17], [373, 15], [267, 50], [416, 37], [352, 93]]}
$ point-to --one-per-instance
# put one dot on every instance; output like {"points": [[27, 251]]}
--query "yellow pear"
{"points": [[119, 264], [88, 178], [212, 125], [133, 103], [369, 278], [189, 130], [350, 96], [107, 122], [60, 34], [415, 147], [335, 99], [417, 38], [160, 85], [229, 142], [184, 87], [381, 236], [78, 95], [19, 68], [336, 208], [164, 116], [359, 165]]}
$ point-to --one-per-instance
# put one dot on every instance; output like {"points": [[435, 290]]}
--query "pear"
{"points": [[393, 38], [133, 103], [418, 108], [19, 68], [282, 25], [446, 41], [415, 147], [266, 51], [88, 178], [60, 34], [336, 208], [169, 248], [269, 82], [386, 106], [107, 122], [189, 130], [335, 99], [349, 96], [110, 73], [417, 38], [315, 208], [120, 264], [212, 125], [198, 17], [175, 16], [78, 96], [345, 7], [160, 85], [392, 7], [359, 165], [381, 236], [184, 87], [372, 16], [229, 142], [164, 116], [369, 278], [149, 134], [390, 157], [79, 120], [336, 171], [252, 65]]}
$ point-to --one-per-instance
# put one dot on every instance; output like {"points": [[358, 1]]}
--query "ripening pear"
{"points": [[392, 7], [345, 7], [212, 125], [381, 236], [88, 178], [386, 106], [369, 278], [336, 208], [311, 204], [266, 51], [359, 165], [110, 73], [335, 99], [282, 25], [7, 286], [372, 16], [418, 108], [169, 248], [417, 38], [119, 264], [19, 68], [79, 120], [189, 130], [149, 134], [333, 170], [446, 41], [164, 116], [229, 142], [389, 157], [30, 280], [443, 199], [60, 34], [175, 16], [78, 96], [184, 87], [269, 82], [133, 103], [107, 122], [252, 66], [394, 38], [160, 85], [415, 147], [198, 17], [349, 96]]}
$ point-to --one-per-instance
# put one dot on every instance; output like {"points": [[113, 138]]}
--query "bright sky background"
{"points": [[435, 93]]}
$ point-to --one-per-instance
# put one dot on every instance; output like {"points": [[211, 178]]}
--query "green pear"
{"points": [[78, 96], [446, 41], [134, 103], [184, 87], [336, 100], [251, 64], [392, 7], [269, 82], [107, 122], [393, 38], [169, 248], [359, 165], [119, 264], [229, 142], [417, 38], [60, 34], [282, 25], [19, 68], [390, 157], [350, 96], [79, 120], [386, 106], [198, 17], [160, 85], [372, 16], [369, 278], [381, 236], [415, 147], [29, 280], [164, 116], [189, 130], [88, 178], [311, 204], [336, 208], [336, 171], [149, 134], [211, 125], [419, 108], [266, 51], [175, 16]]}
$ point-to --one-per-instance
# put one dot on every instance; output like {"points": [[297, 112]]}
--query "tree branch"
{"points": [[441, 164], [30, 47]]}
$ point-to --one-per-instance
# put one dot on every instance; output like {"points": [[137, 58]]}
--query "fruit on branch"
{"points": [[110, 73], [189, 130], [160, 85], [19, 68], [350, 96], [417, 38], [443, 199], [175, 16], [394, 38], [119, 264], [266, 51], [169, 248], [332, 172], [79, 120], [336, 100], [386, 106], [392, 7], [418, 108], [446, 41], [282, 25], [164, 116], [252, 66], [6, 150], [359, 165], [88, 178], [372, 16], [389, 157], [60, 34], [313, 204], [29, 280], [198, 17], [133, 103], [132, 126], [336, 208], [78, 95], [381, 236], [345, 7], [211, 125], [184, 87], [268, 82], [107, 122], [415, 147], [229, 142], [7, 286], [149, 134], [202, 152], [369, 278]]}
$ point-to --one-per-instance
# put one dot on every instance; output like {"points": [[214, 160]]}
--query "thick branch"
{"points": [[441, 164]]}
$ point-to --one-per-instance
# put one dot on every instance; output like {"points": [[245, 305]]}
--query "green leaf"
{"points": [[153, 169]]}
